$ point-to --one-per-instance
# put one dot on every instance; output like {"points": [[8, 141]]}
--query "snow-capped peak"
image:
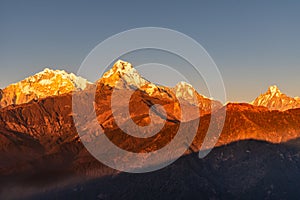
{"points": [[122, 74], [186, 91], [184, 86], [43, 84], [48, 77], [120, 67], [275, 100], [274, 90]]}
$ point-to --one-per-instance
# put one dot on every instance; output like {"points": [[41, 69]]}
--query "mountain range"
{"points": [[40, 147], [57, 82]]}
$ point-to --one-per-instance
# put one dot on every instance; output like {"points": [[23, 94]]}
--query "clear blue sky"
{"points": [[254, 43]]}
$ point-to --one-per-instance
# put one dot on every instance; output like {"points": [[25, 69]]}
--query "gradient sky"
{"points": [[255, 43]]}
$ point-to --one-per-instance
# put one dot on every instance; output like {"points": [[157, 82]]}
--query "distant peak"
{"points": [[122, 65], [273, 99], [183, 84], [121, 74], [274, 89], [47, 70], [186, 91], [49, 77], [52, 71], [40, 85]]}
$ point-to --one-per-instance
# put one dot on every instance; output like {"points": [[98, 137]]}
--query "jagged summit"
{"points": [[274, 90], [273, 99], [124, 75], [187, 92], [182, 84], [43, 84], [121, 75], [49, 76]]}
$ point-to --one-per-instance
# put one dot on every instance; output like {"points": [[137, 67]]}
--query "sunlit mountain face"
{"points": [[43, 156], [41, 85], [273, 99]]}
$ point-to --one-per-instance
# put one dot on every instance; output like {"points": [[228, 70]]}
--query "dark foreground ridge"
{"points": [[242, 170]]}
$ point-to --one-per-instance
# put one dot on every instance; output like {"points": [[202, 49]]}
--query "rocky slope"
{"points": [[43, 132], [34, 158], [43, 84], [275, 100], [245, 121]]}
